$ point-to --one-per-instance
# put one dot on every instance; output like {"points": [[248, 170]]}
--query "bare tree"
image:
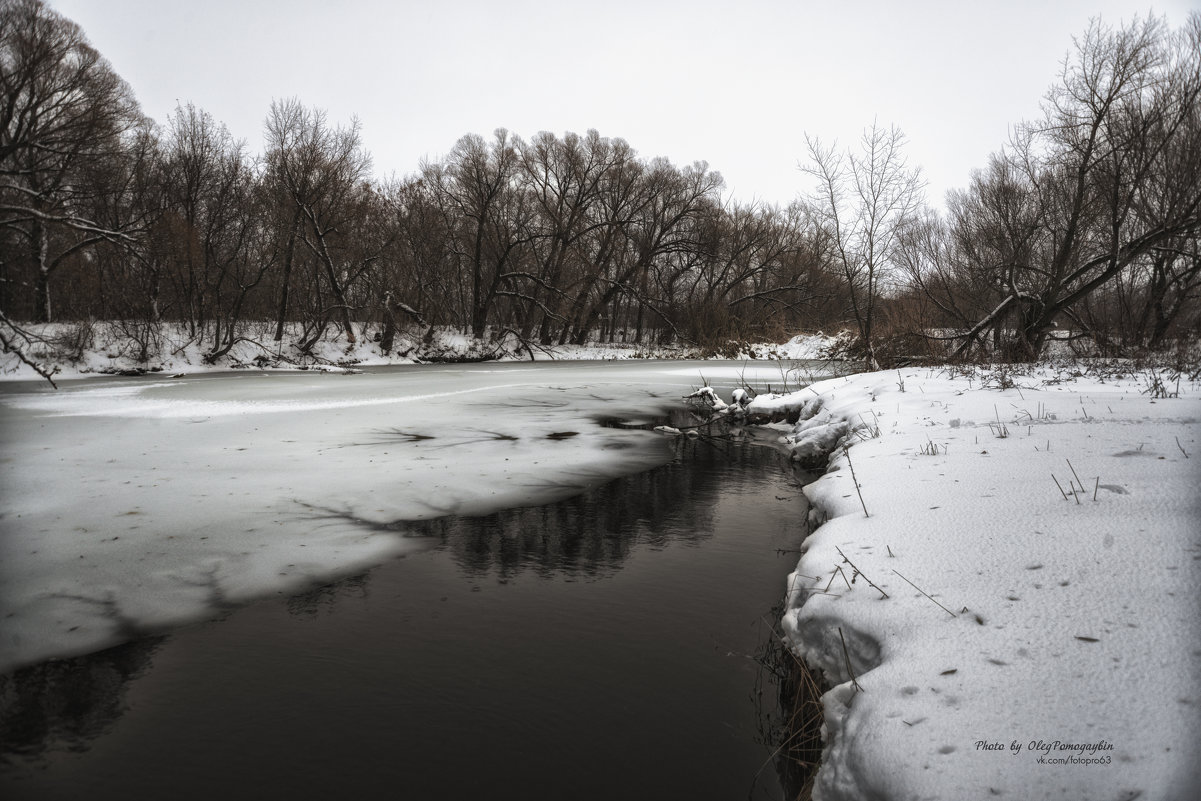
{"points": [[489, 212], [210, 200], [660, 238], [565, 178], [322, 172], [862, 200], [64, 111], [753, 274], [604, 245], [1110, 177]]}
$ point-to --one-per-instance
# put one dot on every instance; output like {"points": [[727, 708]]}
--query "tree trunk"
{"points": [[289, 255], [387, 339], [42, 290]]}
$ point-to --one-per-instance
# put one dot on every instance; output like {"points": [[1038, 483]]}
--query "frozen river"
{"points": [[132, 506], [548, 627]]}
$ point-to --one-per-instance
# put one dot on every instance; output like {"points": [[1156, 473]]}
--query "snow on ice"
{"points": [[1019, 605], [134, 505]]}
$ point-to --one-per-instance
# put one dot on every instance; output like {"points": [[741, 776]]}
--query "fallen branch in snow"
{"points": [[838, 571], [928, 595], [1078, 481], [858, 573], [708, 397], [1071, 484], [847, 657], [855, 480]]}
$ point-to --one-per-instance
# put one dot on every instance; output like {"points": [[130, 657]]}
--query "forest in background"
{"points": [[1084, 225]]}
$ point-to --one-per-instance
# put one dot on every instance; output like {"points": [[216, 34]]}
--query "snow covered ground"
{"points": [[89, 349], [135, 504], [1019, 603]]}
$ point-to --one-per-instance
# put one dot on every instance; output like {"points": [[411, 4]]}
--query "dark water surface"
{"points": [[598, 648]]}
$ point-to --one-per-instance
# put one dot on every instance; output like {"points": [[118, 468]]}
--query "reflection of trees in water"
{"points": [[67, 703], [591, 534], [325, 598]]}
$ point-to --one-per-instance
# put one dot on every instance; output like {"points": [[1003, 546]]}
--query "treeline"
{"points": [[1084, 226], [1087, 221], [106, 215]]}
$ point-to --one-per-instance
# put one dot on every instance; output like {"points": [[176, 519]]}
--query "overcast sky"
{"points": [[733, 83]]}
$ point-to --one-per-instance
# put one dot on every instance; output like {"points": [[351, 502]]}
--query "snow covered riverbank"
{"points": [[100, 348], [1015, 615]]}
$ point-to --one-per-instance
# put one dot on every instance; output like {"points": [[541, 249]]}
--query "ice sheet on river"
{"points": [[135, 505]]}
